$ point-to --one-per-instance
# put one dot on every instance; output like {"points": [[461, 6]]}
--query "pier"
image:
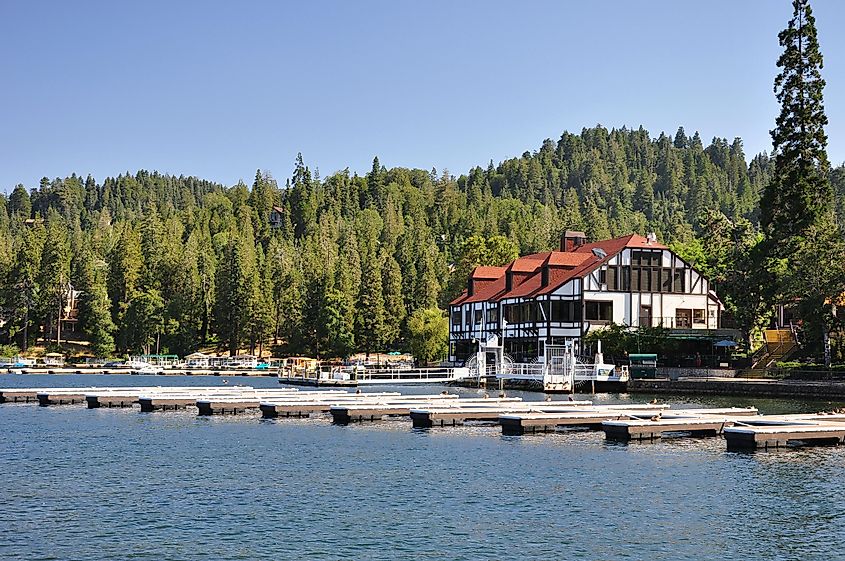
{"points": [[345, 414], [515, 424], [695, 422], [742, 428], [778, 431]]}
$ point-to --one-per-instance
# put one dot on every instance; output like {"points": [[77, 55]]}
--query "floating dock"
{"points": [[766, 432], [345, 414], [695, 422], [484, 412], [308, 405], [743, 429], [222, 405], [515, 424]]}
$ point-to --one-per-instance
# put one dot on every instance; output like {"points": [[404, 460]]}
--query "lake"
{"points": [[118, 484]]}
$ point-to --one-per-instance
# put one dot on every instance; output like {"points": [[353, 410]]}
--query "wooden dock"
{"points": [[345, 414], [485, 412], [305, 407], [779, 431], [236, 400], [742, 428], [695, 422], [222, 405], [515, 424]]}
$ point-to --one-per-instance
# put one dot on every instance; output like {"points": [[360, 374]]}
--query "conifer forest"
{"points": [[333, 264]]}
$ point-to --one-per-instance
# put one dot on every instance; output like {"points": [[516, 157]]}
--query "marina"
{"points": [[741, 428]]}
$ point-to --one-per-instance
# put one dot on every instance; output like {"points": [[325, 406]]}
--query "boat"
{"points": [[138, 367]]}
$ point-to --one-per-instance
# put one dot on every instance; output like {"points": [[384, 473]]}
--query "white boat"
{"points": [[137, 367]]}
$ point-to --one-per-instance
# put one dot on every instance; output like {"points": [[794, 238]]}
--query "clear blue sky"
{"points": [[218, 89]]}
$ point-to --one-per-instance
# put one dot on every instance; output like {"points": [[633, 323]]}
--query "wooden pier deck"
{"points": [[778, 431], [742, 428], [548, 420], [305, 408], [236, 399], [225, 404], [345, 414], [695, 422], [26, 395], [483, 412]]}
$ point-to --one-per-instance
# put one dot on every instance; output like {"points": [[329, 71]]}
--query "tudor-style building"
{"points": [[557, 297]]}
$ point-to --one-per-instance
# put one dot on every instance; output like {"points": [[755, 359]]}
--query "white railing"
{"points": [[413, 374], [524, 371]]}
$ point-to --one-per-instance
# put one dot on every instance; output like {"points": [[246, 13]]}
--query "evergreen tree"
{"points": [[799, 195], [19, 203], [94, 305], [803, 243], [394, 305]]}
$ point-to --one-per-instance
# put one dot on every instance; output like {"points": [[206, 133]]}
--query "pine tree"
{"points": [[94, 315], [799, 195], [54, 277], [803, 242], [19, 203], [394, 305]]}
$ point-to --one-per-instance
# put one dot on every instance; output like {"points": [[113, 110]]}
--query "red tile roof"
{"points": [[484, 272], [563, 267], [566, 259]]}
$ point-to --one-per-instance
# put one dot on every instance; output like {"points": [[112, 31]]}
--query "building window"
{"points": [[456, 318], [493, 315], [563, 311], [679, 280], [665, 280], [477, 319], [698, 317], [603, 276], [598, 311], [468, 317], [683, 318], [611, 275]]}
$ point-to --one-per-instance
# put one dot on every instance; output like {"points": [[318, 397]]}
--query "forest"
{"points": [[172, 264]]}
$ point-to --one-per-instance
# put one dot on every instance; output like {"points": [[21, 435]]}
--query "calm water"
{"points": [[118, 484]]}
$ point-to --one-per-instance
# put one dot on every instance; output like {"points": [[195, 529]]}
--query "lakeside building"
{"points": [[557, 297]]}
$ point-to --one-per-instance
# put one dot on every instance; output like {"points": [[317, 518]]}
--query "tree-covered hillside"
{"points": [[179, 262]]}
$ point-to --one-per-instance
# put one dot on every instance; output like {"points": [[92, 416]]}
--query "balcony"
{"points": [[672, 322]]}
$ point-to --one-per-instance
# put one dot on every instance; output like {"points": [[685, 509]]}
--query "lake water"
{"points": [[119, 484]]}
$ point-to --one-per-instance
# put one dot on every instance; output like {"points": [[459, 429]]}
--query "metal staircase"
{"points": [[778, 345]]}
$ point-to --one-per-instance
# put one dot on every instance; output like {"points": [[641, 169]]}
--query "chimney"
{"points": [[572, 240], [651, 238]]}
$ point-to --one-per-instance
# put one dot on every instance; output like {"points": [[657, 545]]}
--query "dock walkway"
{"points": [[743, 429]]}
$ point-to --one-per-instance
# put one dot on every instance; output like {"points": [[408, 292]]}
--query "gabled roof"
{"points": [[566, 259], [563, 267], [487, 273], [528, 263]]}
